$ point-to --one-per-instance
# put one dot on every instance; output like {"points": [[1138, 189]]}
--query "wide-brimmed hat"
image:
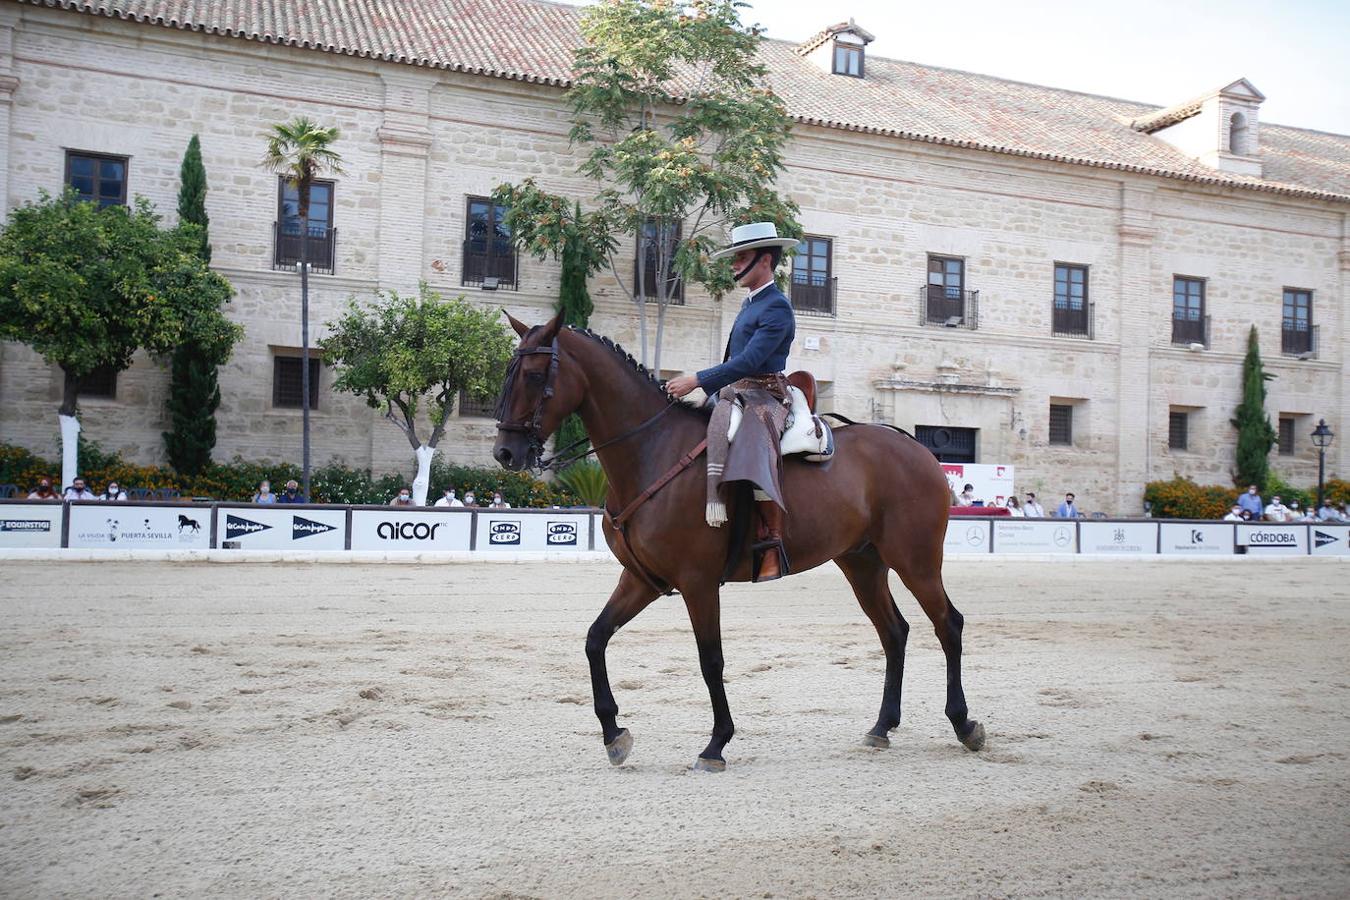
{"points": [[752, 237]]}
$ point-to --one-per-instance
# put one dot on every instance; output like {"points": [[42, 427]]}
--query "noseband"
{"points": [[532, 429]]}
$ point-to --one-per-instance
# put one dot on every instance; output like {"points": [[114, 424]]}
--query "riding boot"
{"points": [[769, 555]]}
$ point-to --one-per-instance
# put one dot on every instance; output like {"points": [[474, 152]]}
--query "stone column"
{"points": [[405, 139], [1135, 305], [1338, 460], [9, 83]]}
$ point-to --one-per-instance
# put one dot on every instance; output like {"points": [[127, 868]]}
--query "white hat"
{"points": [[754, 236]]}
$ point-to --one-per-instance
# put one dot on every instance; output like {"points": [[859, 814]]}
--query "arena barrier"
{"points": [[91, 525]]}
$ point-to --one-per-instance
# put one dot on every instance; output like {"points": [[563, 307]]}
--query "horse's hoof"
{"points": [[710, 765], [619, 748], [880, 741], [974, 739]]}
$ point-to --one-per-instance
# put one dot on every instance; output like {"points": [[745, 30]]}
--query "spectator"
{"points": [[1014, 508], [469, 500], [449, 499], [1277, 511], [404, 498], [498, 502], [1235, 514], [1251, 501], [1299, 514], [78, 491], [967, 496], [292, 493], [44, 491], [1248, 517], [1326, 512], [264, 494], [1031, 508], [1067, 510], [112, 492]]}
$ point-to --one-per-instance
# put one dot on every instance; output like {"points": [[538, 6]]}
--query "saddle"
{"points": [[805, 433]]}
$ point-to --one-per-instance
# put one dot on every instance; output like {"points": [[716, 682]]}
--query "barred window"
{"points": [[288, 380], [476, 407], [1287, 425], [1178, 426], [102, 382], [1061, 424]]}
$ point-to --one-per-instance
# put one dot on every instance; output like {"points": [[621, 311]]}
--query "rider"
{"points": [[752, 370]]}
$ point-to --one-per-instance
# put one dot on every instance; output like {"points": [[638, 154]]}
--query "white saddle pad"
{"points": [[804, 433]]}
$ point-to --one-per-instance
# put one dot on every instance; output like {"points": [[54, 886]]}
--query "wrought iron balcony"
{"points": [[814, 295], [495, 259], [953, 307], [1191, 330], [321, 249], [1069, 322], [1298, 339]]}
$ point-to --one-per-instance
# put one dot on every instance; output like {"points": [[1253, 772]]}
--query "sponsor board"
{"points": [[127, 526], [1272, 540], [1118, 537], [992, 484], [513, 530], [30, 524], [408, 529], [1330, 540], [966, 536], [280, 528], [1034, 536], [1196, 539]]}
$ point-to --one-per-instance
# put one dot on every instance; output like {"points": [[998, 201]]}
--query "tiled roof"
{"points": [[531, 40]]}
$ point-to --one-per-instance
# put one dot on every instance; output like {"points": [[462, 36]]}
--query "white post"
{"points": [[70, 449]]}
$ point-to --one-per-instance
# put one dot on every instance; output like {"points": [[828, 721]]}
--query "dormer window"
{"points": [[1237, 135], [848, 59], [839, 49]]}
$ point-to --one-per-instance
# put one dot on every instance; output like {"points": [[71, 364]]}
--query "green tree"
{"points": [[194, 388], [574, 302], [681, 137], [87, 287], [1255, 435], [300, 151], [400, 352]]}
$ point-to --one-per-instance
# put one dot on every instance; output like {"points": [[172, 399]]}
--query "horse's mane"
{"points": [[647, 375]]}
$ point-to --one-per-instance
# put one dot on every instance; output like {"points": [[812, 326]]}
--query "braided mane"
{"points": [[627, 357]]}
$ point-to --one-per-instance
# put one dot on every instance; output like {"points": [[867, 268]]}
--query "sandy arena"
{"points": [[1154, 729]]}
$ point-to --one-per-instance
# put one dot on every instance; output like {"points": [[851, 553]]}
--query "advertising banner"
{"points": [[1330, 540], [30, 524], [280, 528], [411, 529], [992, 484], [1118, 537], [966, 536], [1273, 540], [532, 530], [1034, 536], [1197, 538], [131, 526]]}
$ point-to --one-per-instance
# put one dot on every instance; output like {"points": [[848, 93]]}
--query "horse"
{"points": [[879, 505]]}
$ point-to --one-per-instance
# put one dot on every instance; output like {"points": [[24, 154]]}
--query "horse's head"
{"points": [[535, 398]]}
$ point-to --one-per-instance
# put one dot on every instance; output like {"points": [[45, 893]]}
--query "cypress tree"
{"points": [[1255, 436], [574, 302], [194, 392]]}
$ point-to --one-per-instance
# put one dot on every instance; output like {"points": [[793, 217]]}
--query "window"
{"points": [[98, 179], [1189, 323], [1237, 134], [475, 408], [1287, 426], [949, 445], [653, 234], [1296, 335], [848, 60], [945, 292], [812, 283], [489, 254], [102, 382], [1061, 424], [318, 232], [287, 382], [1178, 423], [1070, 315]]}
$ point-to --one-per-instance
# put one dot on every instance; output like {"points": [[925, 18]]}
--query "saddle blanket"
{"points": [[804, 433]]}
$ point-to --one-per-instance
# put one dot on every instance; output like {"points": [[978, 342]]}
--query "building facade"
{"points": [[1030, 276]]}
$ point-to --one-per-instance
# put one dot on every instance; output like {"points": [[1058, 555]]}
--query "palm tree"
{"points": [[299, 151]]}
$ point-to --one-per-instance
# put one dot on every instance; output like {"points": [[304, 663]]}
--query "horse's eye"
{"points": [[534, 377]]}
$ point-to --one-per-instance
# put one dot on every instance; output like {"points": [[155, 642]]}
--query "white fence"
{"points": [[1136, 537]]}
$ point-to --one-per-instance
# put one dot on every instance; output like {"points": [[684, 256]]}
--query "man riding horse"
{"points": [[751, 374]]}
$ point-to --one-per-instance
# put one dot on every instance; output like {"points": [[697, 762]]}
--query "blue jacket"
{"points": [[1066, 511], [760, 341], [1251, 503]]}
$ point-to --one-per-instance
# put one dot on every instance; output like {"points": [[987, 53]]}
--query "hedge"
{"points": [[1182, 498]]}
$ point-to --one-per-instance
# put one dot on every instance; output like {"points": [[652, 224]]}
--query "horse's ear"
{"points": [[551, 329], [520, 327]]}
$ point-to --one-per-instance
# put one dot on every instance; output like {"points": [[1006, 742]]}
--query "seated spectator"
{"points": [[44, 491], [264, 494], [1031, 508], [450, 499], [470, 500], [78, 491], [1015, 508], [1277, 511], [1235, 514], [967, 496], [1247, 515], [498, 502], [404, 498], [1299, 514], [292, 493], [1067, 509], [1327, 513], [112, 492]]}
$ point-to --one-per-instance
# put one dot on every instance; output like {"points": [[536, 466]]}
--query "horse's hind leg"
{"points": [[631, 596], [868, 575], [705, 614]]}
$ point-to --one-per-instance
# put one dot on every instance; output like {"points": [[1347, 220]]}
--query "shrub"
{"points": [[1338, 491], [1275, 485], [587, 481], [1182, 498], [520, 489]]}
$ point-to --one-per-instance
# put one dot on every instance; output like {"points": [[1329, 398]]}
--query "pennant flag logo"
{"points": [[1322, 538], [303, 528], [237, 527]]}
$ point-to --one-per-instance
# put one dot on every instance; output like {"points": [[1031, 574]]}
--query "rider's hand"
{"points": [[681, 385]]}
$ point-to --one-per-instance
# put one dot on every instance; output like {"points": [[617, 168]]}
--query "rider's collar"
{"points": [[757, 291]]}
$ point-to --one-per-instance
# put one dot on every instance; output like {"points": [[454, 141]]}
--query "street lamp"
{"points": [[1322, 436]]}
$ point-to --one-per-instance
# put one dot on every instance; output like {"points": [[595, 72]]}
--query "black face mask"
{"points": [[290, 490]]}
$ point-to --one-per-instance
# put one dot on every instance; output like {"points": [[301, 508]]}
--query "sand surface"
{"points": [[1154, 729]]}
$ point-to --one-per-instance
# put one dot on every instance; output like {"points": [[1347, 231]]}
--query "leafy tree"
{"points": [[194, 390], [400, 351], [1255, 436], [300, 151], [681, 137], [87, 287], [574, 302]]}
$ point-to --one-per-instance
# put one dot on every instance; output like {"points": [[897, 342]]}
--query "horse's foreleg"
{"points": [[631, 596], [868, 576], [705, 615]]}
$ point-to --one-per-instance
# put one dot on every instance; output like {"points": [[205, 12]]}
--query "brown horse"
{"points": [[880, 504]]}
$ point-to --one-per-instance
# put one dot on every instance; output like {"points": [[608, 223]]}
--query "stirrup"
{"points": [[757, 551]]}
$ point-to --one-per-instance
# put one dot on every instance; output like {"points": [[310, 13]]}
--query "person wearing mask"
{"points": [[292, 493], [967, 496], [1326, 512], [449, 499], [1277, 511], [1234, 514], [78, 491], [44, 491], [1031, 509], [470, 500], [113, 492], [1251, 501], [1067, 509], [498, 502], [264, 494], [404, 498], [1015, 508]]}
